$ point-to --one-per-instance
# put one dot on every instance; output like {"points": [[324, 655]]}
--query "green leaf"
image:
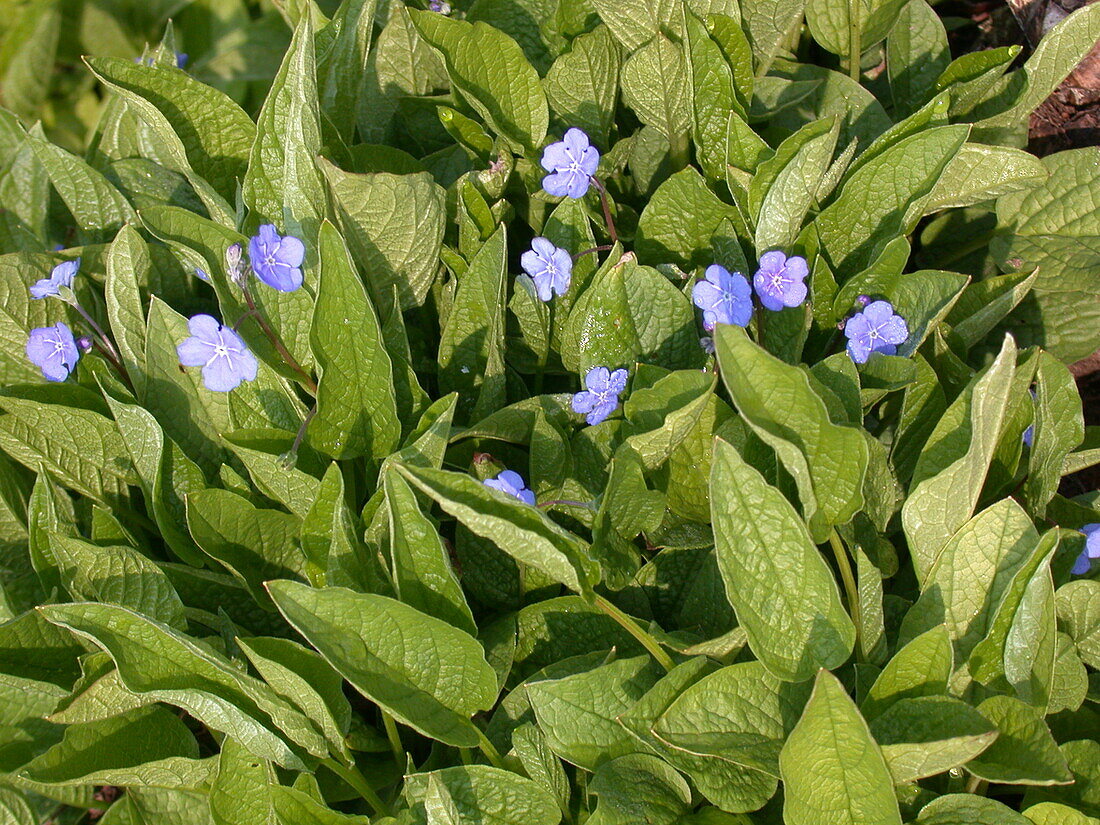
{"points": [[663, 415], [917, 53], [490, 70], [981, 173], [540, 763], [340, 68], [1053, 813], [293, 807], [356, 412], [239, 793], [304, 679], [639, 788], [1078, 605], [128, 265], [733, 786], [394, 228], [920, 668], [832, 770], [1025, 753], [1058, 53], [27, 56], [422, 571], [165, 665], [96, 205], [785, 186], [635, 22], [885, 197], [968, 809], [680, 222], [110, 751], [781, 588], [14, 807], [930, 735], [117, 575], [777, 401], [582, 84], [994, 655], [332, 541], [255, 545], [655, 86], [216, 133], [471, 348], [578, 712], [80, 448], [520, 530], [985, 303], [1054, 227], [283, 185], [768, 24], [260, 451], [953, 464], [972, 574], [486, 795], [394, 655], [630, 313]]}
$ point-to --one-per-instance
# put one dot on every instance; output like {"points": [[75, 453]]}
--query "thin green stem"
{"points": [[355, 778], [634, 629], [394, 735], [976, 785], [489, 749], [849, 579], [855, 48]]}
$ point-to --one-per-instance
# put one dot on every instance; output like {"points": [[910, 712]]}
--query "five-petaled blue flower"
{"points": [[549, 266], [512, 483], [1091, 551], [571, 162], [277, 259], [876, 328], [780, 281], [225, 359], [53, 350], [601, 394], [62, 275], [725, 298]]}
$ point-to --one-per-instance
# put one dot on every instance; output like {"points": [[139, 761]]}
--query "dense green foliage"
{"points": [[771, 581]]}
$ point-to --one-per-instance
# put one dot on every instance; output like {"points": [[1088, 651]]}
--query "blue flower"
{"points": [[181, 59], [724, 297], [225, 359], [571, 162], [201, 275], [1091, 551], [1029, 433], [512, 483], [62, 275], [780, 281], [277, 259], [876, 328], [439, 6], [549, 266], [53, 350], [601, 394]]}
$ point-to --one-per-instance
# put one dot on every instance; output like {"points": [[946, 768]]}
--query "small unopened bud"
{"points": [[85, 343], [842, 323], [863, 300], [234, 266], [707, 343]]}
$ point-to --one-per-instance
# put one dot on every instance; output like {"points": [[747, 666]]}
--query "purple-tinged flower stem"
{"points": [[590, 250], [103, 343], [280, 347], [606, 210], [290, 457]]}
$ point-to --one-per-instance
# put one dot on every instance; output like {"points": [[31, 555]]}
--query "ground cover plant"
{"points": [[608, 411]]}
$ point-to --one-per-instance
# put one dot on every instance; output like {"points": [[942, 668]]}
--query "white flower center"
{"points": [[221, 351], [574, 167]]}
